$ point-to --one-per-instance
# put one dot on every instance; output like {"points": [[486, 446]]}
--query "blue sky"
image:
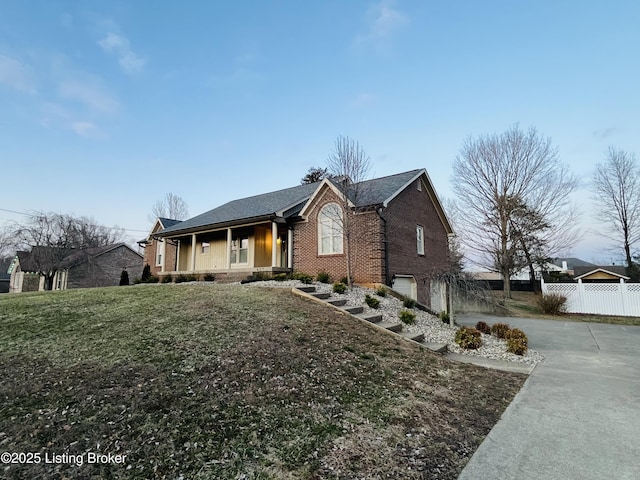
{"points": [[107, 105]]}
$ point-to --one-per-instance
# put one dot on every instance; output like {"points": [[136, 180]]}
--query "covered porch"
{"points": [[248, 248]]}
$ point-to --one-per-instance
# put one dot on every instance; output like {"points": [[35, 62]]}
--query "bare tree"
{"points": [[171, 206], [314, 174], [491, 171], [616, 183], [51, 237], [348, 165]]}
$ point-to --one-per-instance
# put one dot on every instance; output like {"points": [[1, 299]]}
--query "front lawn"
{"points": [[208, 381]]}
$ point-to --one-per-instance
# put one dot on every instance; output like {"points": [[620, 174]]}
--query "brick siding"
{"points": [[105, 270], [409, 209]]}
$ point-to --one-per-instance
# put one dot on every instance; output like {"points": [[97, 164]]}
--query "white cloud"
{"points": [[90, 94], [119, 46], [16, 75], [86, 129], [383, 21]]}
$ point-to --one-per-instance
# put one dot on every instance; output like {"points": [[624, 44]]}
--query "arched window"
{"points": [[330, 233]]}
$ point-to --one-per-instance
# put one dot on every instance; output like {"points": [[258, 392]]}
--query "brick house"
{"points": [[81, 268], [399, 236], [158, 252]]}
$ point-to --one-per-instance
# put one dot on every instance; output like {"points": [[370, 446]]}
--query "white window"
{"points": [[159, 252], [240, 250], [420, 239], [206, 247], [330, 234]]}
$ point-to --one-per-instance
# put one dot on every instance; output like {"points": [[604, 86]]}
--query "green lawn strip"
{"points": [[218, 381]]}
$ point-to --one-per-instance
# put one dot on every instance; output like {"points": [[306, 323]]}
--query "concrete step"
{"points": [[307, 289], [338, 302], [437, 347], [354, 310], [370, 317], [392, 326], [415, 336], [321, 296]]}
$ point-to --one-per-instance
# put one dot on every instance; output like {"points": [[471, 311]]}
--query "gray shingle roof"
{"points": [[288, 203], [258, 206]]}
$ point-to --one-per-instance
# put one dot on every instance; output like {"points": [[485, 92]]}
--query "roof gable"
{"points": [[604, 271]]}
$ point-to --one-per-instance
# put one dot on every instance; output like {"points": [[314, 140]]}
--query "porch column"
{"points": [[193, 252], [229, 240], [289, 247], [274, 244], [177, 265], [161, 245]]}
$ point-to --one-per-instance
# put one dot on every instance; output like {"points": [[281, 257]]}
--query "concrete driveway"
{"points": [[578, 414]]}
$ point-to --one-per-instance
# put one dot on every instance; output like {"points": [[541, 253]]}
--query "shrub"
{"points": [[146, 273], [124, 278], [209, 277], [303, 277], [444, 317], [468, 338], [409, 302], [517, 342], [371, 301], [500, 330], [344, 280], [483, 327], [323, 277], [339, 287], [152, 279], [182, 278], [167, 279], [552, 304], [381, 291], [407, 316], [281, 277]]}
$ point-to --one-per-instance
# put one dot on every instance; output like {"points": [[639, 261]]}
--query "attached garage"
{"points": [[406, 285]]}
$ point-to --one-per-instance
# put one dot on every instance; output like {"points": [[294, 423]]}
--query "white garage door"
{"points": [[406, 285]]}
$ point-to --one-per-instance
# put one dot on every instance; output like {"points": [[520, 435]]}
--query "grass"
{"points": [[230, 382], [523, 304]]}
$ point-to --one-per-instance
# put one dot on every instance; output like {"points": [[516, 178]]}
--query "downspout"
{"points": [[387, 279]]}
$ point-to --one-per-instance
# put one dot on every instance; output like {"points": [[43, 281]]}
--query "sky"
{"points": [[105, 106]]}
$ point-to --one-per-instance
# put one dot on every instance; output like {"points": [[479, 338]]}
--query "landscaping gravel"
{"points": [[435, 331]]}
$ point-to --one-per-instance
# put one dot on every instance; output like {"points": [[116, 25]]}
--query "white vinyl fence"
{"points": [[621, 299]]}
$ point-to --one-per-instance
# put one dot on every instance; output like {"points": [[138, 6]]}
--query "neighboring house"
{"points": [[157, 251], [569, 264], [603, 274], [400, 238], [5, 276], [89, 267]]}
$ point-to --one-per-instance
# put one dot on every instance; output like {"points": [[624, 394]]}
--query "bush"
{"points": [[124, 278], [209, 277], [444, 317], [409, 302], [407, 316], [483, 327], [552, 304], [371, 301], [146, 273], [152, 279], [517, 342], [500, 330], [167, 279], [381, 291], [323, 277], [344, 280], [303, 277], [468, 338], [339, 287], [281, 277], [182, 278]]}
